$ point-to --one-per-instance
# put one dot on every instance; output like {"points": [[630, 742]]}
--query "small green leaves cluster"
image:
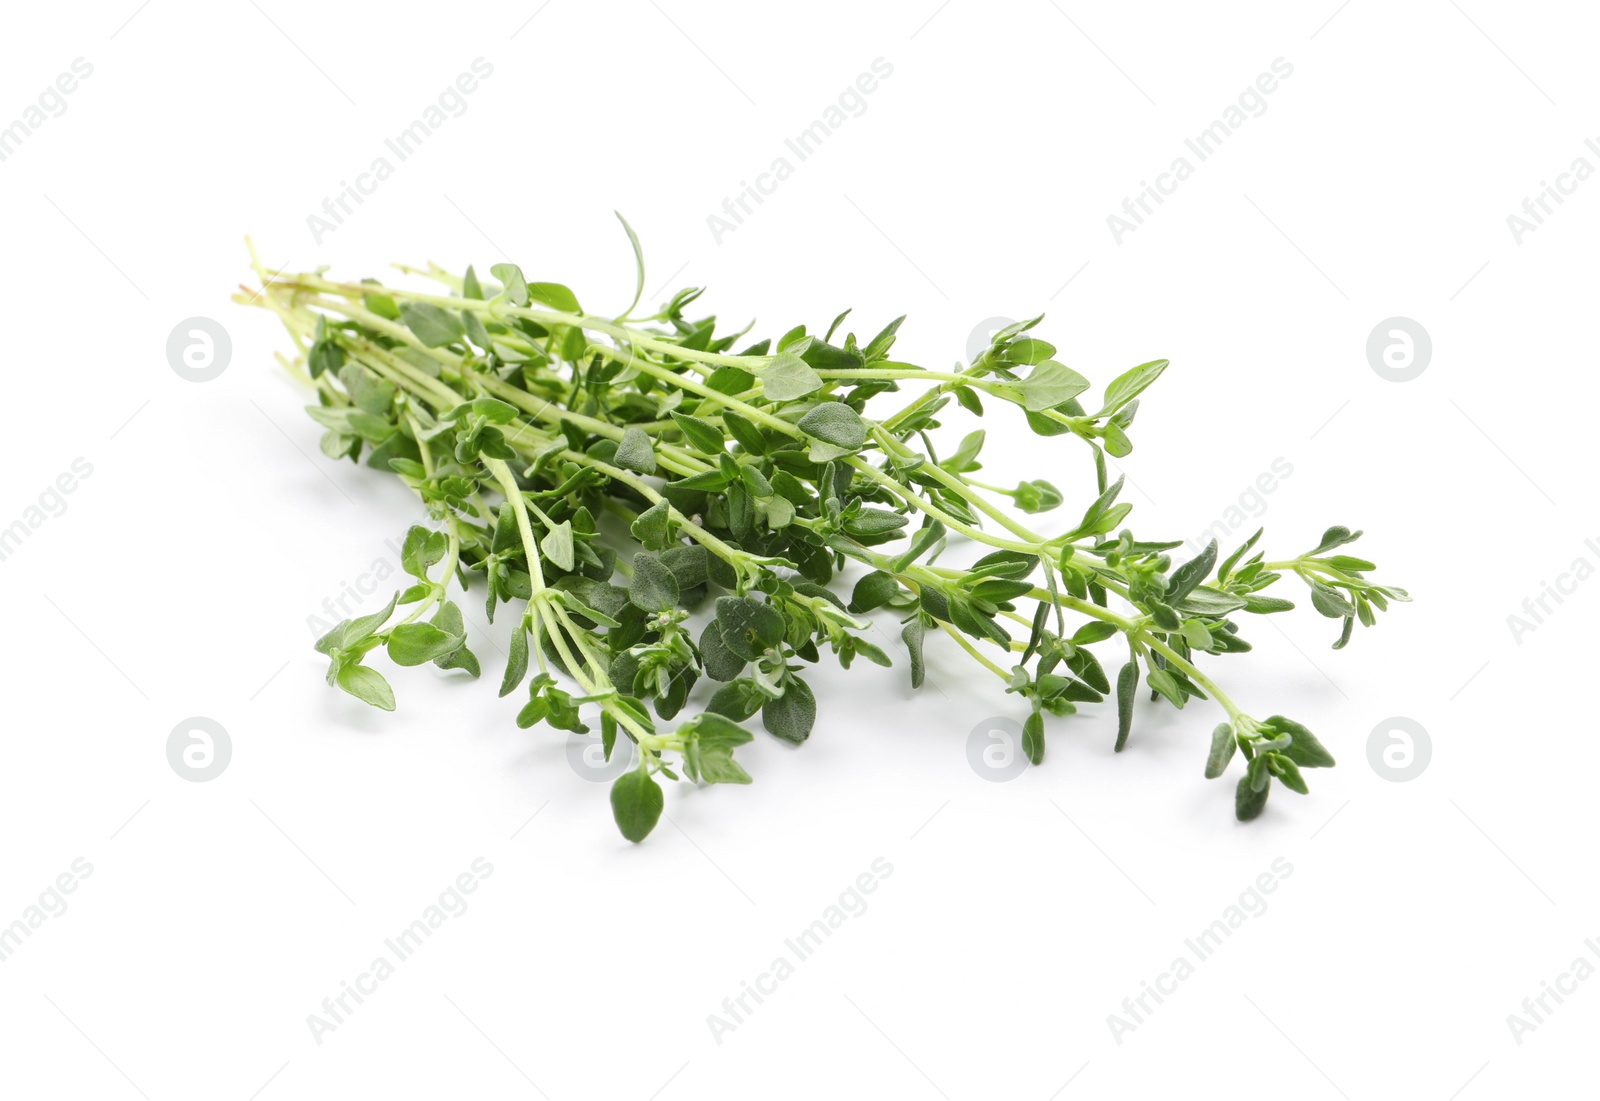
{"points": [[1277, 748], [684, 523]]}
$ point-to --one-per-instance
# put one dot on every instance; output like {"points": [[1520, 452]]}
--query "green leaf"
{"points": [[881, 343], [703, 436], [448, 619], [1093, 514], [1305, 751], [1028, 351], [778, 511], [1196, 635], [1164, 683], [381, 304], [730, 380], [422, 549], [791, 715], [1037, 496], [1191, 573], [352, 631], [494, 410], [510, 276], [1209, 602], [1005, 335], [653, 526], [558, 546], [1049, 384], [1248, 803], [1232, 560], [691, 565], [998, 590], [1096, 630], [862, 648], [1330, 602], [836, 425], [635, 451], [420, 643], [1009, 564], [1041, 424], [912, 636], [654, 588], [1257, 773], [1033, 737], [578, 608], [1223, 744], [636, 803], [720, 663], [748, 435], [1350, 564], [1266, 605], [517, 663], [370, 393], [1129, 385], [872, 522], [788, 377], [556, 296], [460, 658], [717, 766], [737, 700], [532, 712], [1127, 687], [750, 627], [965, 458], [366, 685], [432, 326], [706, 480], [325, 356], [873, 591], [638, 263], [472, 324], [1344, 635], [1336, 536], [714, 738], [1288, 773], [1086, 667], [925, 540], [719, 731]]}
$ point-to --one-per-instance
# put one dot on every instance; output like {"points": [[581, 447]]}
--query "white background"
{"points": [[179, 579]]}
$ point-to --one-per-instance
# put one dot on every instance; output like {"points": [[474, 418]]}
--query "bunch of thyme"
{"points": [[605, 477]]}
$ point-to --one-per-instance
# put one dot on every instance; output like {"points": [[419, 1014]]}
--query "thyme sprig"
{"points": [[607, 479]]}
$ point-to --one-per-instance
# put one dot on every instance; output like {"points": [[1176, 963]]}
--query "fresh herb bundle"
{"points": [[605, 476]]}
